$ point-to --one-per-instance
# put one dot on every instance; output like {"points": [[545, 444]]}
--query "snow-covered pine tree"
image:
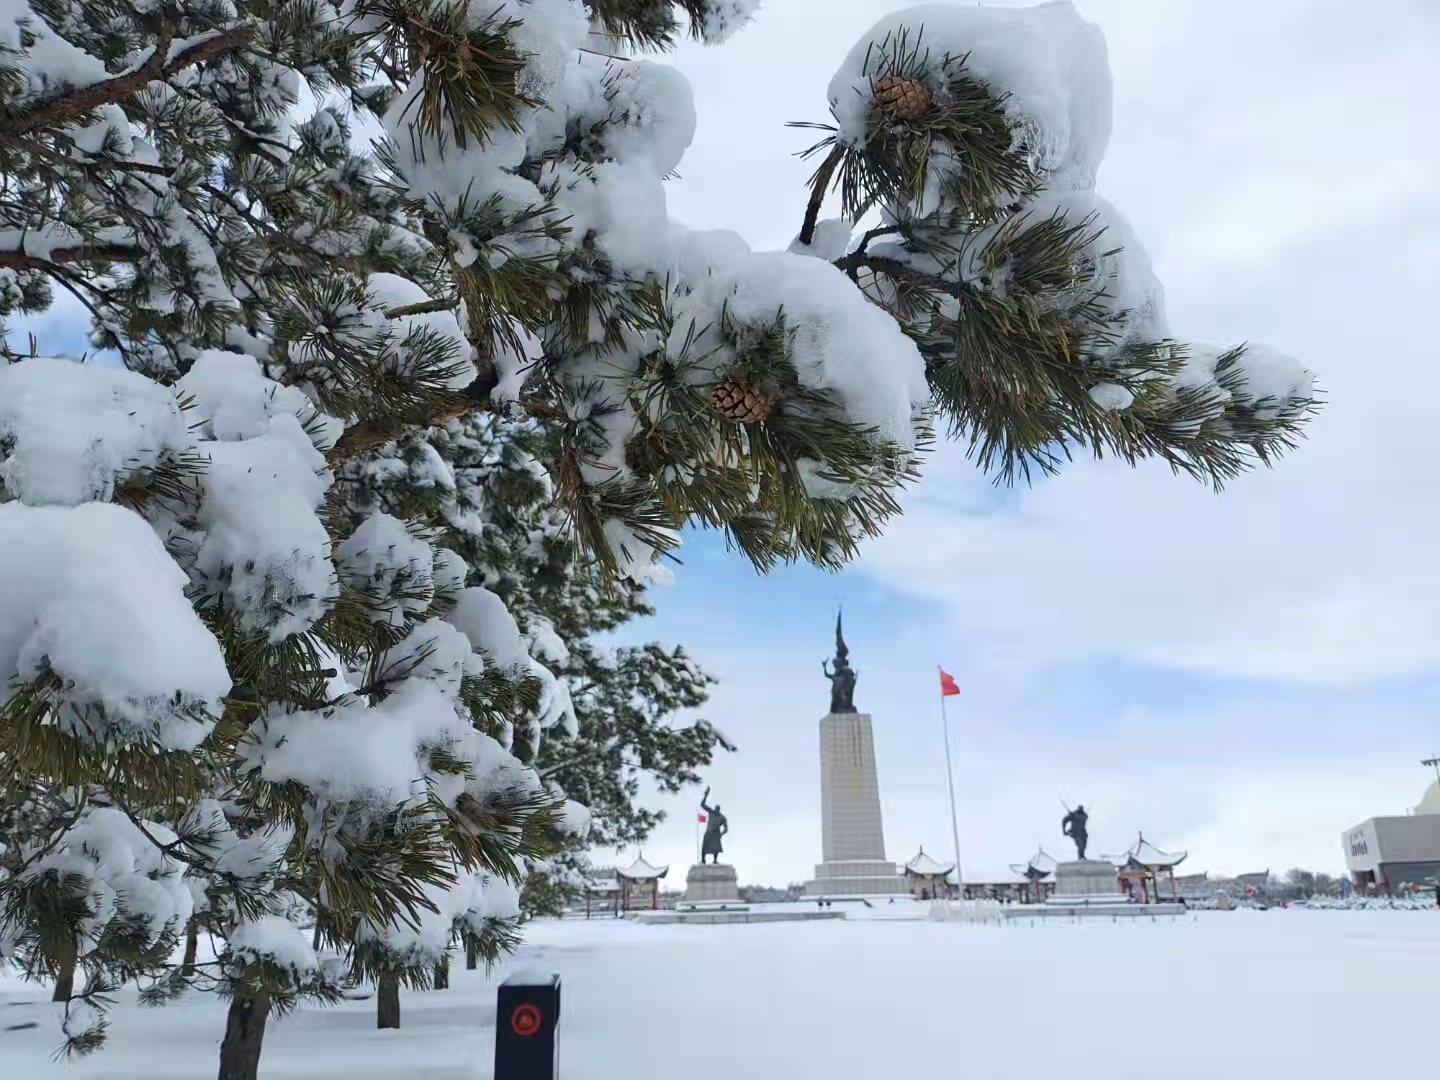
{"points": [[626, 703], [480, 480], [184, 607]]}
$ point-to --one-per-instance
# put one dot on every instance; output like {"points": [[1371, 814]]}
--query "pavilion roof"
{"points": [[640, 870], [1143, 853], [924, 866], [1040, 865]]}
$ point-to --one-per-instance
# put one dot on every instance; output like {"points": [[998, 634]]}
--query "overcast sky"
{"points": [[1242, 675]]}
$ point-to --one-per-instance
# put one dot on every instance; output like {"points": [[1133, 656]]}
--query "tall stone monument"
{"points": [[852, 834]]}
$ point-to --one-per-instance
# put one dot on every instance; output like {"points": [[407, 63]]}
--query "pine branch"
{"points": [[83, 99], [819, 185], [18, 260], [425, 307]]}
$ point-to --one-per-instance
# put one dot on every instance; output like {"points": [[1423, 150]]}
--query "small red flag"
{"points": [[700, 818], [948, 686]]}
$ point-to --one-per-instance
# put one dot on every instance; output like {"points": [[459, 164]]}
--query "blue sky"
{"points": [[1241, 676]]}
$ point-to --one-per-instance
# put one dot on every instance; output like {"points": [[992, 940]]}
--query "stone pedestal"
{"points": [[711, 883], [852, 833], [1093, 880]]}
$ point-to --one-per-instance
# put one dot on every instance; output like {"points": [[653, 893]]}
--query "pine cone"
{"points": [[740, 402], [907, 98]]}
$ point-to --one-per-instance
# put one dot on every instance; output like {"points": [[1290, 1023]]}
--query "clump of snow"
{"points": [[514, 367], [208, 831], [842, 343], [1111, 396], [90, 593], [233, 400], [70, 432], [390, 566], [1114, 261], [1272, 377], [1050, 63], [389, 291], [724, 18], [652, 116], [831, 239], [124, 874], [263, 552], [356, 751], [545, 643], [448, 571], [576, 818], [483, 618], [273, 939], [474, 899]]}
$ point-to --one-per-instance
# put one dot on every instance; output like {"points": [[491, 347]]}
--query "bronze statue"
{"points": [[715, 827], [1073, 826], [842, 679]]}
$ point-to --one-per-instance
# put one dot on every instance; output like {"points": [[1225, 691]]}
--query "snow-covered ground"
{"points": [[1226, 994]]}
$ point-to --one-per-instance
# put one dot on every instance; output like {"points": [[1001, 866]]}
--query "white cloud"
{"points": [[1277, 224]]}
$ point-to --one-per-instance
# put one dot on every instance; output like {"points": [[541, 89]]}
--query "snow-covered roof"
{"points": [[1040, 865], [924, 866], [1149, 856], [640, 870]]}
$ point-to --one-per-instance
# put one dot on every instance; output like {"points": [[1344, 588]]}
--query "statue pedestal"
{"points": [[1089, 880], [711, 883]]}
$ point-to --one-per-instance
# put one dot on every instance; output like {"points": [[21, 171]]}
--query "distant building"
{"points": [[1147, 874], [1196, 886], [1389, 853], [928, 879], [1038, 872], [1252, 884]]}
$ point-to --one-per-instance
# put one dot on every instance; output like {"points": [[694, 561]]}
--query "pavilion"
{"points": [[1036, 870], [637, 881], [1144, 868], [927, 878]]}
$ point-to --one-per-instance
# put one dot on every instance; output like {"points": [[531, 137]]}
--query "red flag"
{"points": [[700, 818], [948, 686]]}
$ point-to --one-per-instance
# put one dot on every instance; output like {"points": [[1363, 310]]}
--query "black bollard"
{"points": [[527, 1015]]}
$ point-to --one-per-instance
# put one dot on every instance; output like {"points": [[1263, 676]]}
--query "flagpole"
{"points": [[950, 786]]}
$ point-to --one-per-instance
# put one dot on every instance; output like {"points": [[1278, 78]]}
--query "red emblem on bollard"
{"points": [[525, 1020]]}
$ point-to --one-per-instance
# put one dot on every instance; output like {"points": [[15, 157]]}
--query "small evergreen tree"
{"points": [[299, 701]]}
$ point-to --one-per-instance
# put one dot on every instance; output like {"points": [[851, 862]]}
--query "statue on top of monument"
{"points": [[1073, 826], [842, 679], [715, 827]]}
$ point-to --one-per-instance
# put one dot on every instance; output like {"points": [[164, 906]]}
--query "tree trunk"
{"points": [[442, 974], [472, 951], [244, 1032], [192, 944], [387, 1002], [65, 975]]}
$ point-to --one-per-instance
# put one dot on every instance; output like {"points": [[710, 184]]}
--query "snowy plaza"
{"points": [[1214, 996]]}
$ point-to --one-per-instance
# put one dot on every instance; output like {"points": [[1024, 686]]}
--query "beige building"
{"points": [[1387, 853]]}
